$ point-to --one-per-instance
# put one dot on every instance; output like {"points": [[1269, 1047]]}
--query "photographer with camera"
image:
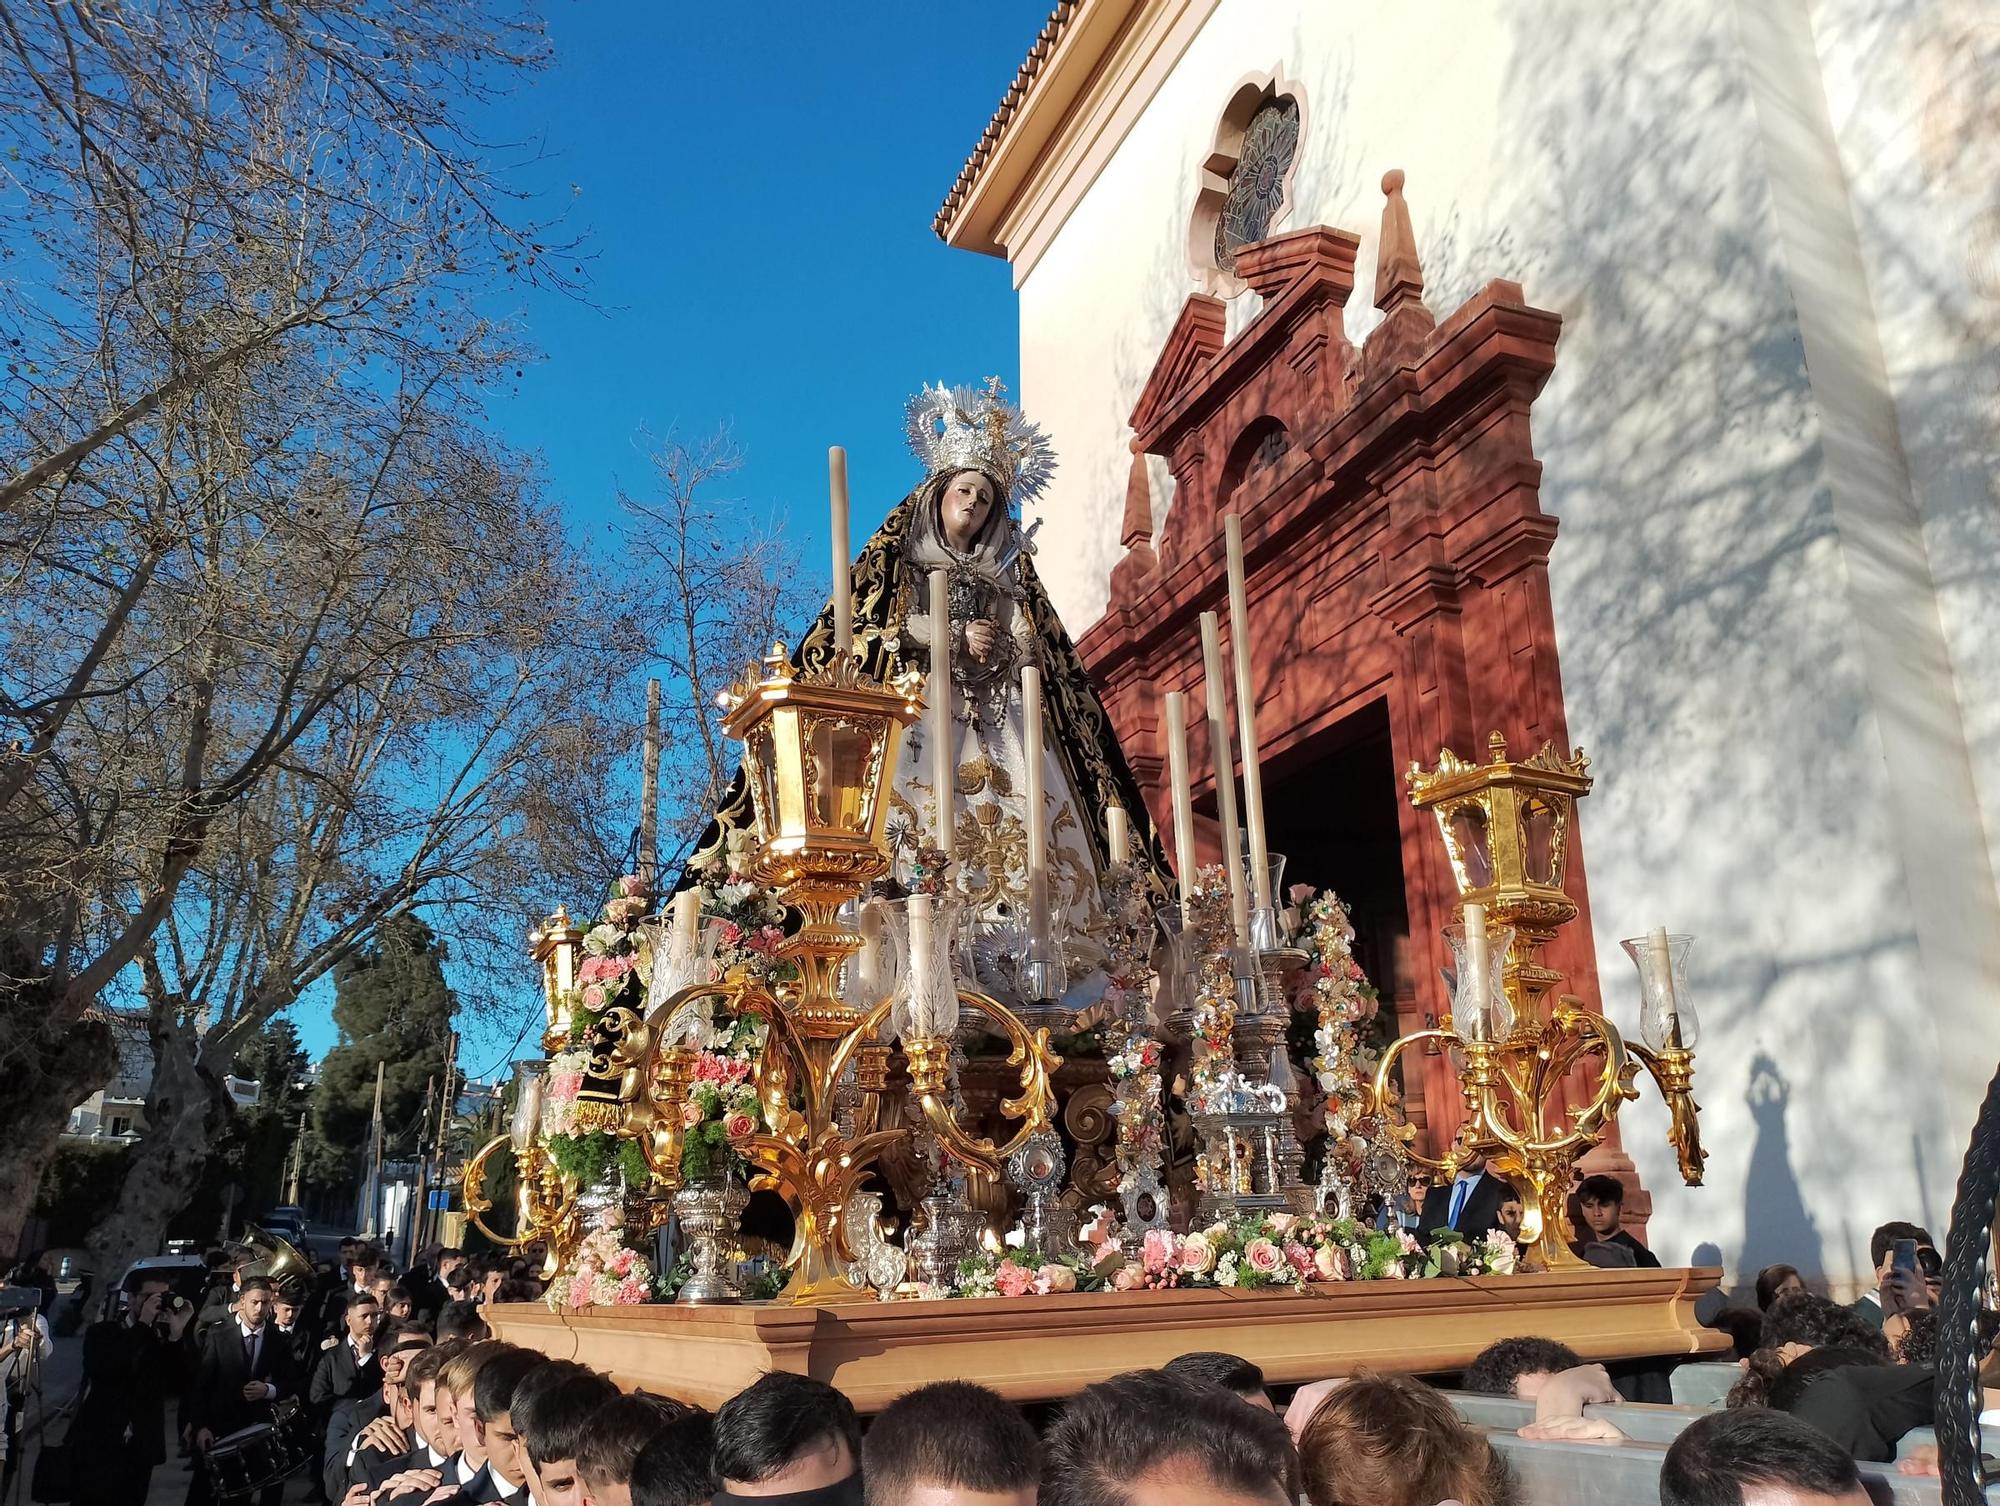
{"points": [[130, 1367]]}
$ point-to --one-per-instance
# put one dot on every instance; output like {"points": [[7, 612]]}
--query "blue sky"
{"points": [[755, 184]]}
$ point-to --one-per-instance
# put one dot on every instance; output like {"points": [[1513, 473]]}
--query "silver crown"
{"points": [[977, 429]]}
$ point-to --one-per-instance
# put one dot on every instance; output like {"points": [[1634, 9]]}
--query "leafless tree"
{"points": [[245, 494], [717, 584]]}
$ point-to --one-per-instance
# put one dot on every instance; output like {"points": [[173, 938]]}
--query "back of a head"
{"points": [[1390, 1440], [1804, 1318], [619, 1432], [1212, 1367], [461, 1320], [554, 1405], [499, 1378], [778, 1419], [954, 1435], [1144, 1425], [1498, 1368], [677, 1467], [1734, 1458]]}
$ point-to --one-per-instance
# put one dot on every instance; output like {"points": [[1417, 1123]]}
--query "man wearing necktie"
{"points": [[1469, 1204], [241, 1368]]}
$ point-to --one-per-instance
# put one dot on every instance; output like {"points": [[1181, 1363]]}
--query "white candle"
{"points": [[1118, 832], [843, 562], [1038, 856], [1225, 775], [1661, 956], [687, 923], [1479, 964], [1246, 716], [944, 759], [922, 1013], [1177, 770]]}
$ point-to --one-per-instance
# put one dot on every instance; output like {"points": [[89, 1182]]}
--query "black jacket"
{"points": [[129, 1373], [215, 1397], [348, 1419], [338, 1377], [1478, 1218], [480, 1490]]}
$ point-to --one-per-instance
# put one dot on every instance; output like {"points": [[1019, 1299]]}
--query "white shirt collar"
{"points": [[465, 1471], [507, 1492], [246, 1330], [437, 1459]]}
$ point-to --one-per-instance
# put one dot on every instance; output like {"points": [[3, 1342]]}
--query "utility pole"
{"points": [[414, 1224], [372, 1183], [298, 1162], [446, 1098], [649, 793]]}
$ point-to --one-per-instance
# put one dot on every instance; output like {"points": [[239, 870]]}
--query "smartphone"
{"points": [[1904, 1284]]}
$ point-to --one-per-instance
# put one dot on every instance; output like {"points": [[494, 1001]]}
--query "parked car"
{"points": [[287, 1222], [186, 1275]]}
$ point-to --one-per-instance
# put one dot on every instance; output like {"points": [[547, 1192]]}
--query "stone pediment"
{"points": [[1191, 347]]}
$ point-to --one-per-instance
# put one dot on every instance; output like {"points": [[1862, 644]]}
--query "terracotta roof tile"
{"points": [[1024, 78]]}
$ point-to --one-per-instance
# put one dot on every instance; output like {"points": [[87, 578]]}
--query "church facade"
{"points": [[1616, 376]]}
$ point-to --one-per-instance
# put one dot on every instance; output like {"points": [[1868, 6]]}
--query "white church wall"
{"points": [[1611, 160]]}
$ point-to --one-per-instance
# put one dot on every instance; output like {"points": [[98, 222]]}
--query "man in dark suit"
{"points": [[1469, 1203], [241, 1369], [400, 1343], [130, 1366], [348, 1365]]}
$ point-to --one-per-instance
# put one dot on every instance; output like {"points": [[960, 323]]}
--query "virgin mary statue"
{"points": [[981, 461]]}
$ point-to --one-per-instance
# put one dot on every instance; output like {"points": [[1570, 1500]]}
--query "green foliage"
{"points": [[632, 1164], [79, 1188], [394, 1009], [706, 1152], [260, 1148]]}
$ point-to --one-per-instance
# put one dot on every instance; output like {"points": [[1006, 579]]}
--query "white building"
{"points": [[1772, 232]]}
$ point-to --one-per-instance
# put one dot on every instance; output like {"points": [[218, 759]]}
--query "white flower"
{"points": [[735, 893], [1225, 1270]]}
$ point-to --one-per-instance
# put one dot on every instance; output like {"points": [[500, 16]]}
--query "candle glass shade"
{"points": [[1266, 935], [1666, 1009], [926, 1004], [1493, 1018], [527, 1121], [876, 971], [672, 973]]}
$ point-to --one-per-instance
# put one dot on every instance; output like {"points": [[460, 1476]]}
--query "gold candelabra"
{"points": [[1506, 827], [819, 755]]}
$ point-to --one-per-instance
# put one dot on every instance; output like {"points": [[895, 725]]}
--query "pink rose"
{"points": [[632, 886], [1107, 1254], [690, 1114], [1263, 1257], [739, 1126], [1300, 893], [1156, 1251], [1330, 1263], [1055, 1278], [1197, 1255], [593, 997], [1281, 1223], [1012, 1280], [623, 911], [1127, 1278]]}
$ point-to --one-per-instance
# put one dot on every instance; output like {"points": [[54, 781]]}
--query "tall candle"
{"points": [[1479, 964], [1225, 775], [843, 562], [687, 922], [1246, 717], [1038, 855], [944, 759], [1118, 833], [1177, 769], [922, 1005], [1661, 956]]}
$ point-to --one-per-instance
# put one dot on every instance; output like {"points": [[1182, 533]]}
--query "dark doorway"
{"points": [[1332, 809]]}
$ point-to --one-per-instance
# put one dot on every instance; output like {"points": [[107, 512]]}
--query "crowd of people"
{"points": [[414, 1403]]}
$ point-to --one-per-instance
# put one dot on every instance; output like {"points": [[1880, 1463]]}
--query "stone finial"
{"points": [[1132, 574], [1399, 283]]}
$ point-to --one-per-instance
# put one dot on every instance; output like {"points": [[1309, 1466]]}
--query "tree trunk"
{"points": [[165, 1167], [43, 1075]]}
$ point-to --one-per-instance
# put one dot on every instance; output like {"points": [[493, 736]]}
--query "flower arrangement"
{"points": [[748, 919], [605, 1272], [1338, 994], [1134, 1059], [722, 1110], [1263, 1251], [612, 975], [1215, 988]]}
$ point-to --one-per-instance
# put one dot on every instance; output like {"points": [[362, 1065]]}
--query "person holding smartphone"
{"points": [[1898, 1250], [129, 1370]]}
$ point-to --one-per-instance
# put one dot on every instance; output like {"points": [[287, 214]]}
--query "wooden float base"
{"points": [[1038, 1348]]}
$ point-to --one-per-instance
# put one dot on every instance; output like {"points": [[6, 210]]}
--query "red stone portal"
{"points": [[1396, 550]]}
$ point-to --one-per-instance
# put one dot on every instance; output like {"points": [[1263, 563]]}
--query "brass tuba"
{"points": [[287, 1267]]}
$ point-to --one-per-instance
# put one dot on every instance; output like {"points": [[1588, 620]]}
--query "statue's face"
{"points": [[964, 507]]}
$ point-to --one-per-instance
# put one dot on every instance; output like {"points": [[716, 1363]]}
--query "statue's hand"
{"points": [[979, 636]]}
